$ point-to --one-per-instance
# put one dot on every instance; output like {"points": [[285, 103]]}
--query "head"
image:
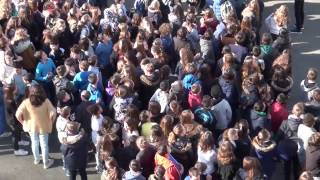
{"points": [[61, 70], [166, 124], [316, 95], [194, 174], [135, 166], [266, 39], [36, 95], [159, 172], [85, 95], [225, 153], [252, 166], [243, 128], [186, 117], [93, 78], [282, 15], [95, 109], [259, 106], [83, 65], [154, 108], [314, 140], [206, 141], [142, 143], [73, 127], [263, 136], [306, 175], [282, 98], [312, 74], [196, 88], [65, 112], [308, 120], [298, 109], [28, 78]]}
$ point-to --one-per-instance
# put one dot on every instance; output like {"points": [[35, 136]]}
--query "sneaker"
{"points": [[48, 164], [67, 172], [36, 162], [6, 134], [20, 152], [295, 30], [23, 143]]}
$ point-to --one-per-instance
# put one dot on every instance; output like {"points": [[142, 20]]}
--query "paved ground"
{"points": [[306, 53]]}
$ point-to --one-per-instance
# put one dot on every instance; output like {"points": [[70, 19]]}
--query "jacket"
{"points": [[75, 155], [42, 70], [243, 175], [313, 160], [172, 167], [223, 113], [279, 112], [258, 121], [130, 175], [308, 87], [83, 116], [227, 172], [146, 158], [289, 128], [266, 153], [36, 119]]}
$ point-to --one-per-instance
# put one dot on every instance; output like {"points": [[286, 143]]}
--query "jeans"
{"points": [[82, 172], [42, 140], [299, 13]]}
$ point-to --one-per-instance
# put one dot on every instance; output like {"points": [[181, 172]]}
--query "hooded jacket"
{"points": [[266, 153], [130, 175], [282, 87], [258, 121], [308, 87]]}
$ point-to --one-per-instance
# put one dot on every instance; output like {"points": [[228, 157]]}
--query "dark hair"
{"points": [[92, 78], [154, 107], [206, 101], [164, 85], [36, 95], [259, 106], [61, 70], [266, 39], [256, 51], [135, 165], [28, 77], [163, 150], [308, 120], [94, 109]]}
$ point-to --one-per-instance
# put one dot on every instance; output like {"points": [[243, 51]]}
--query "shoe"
{"points": [[48, 164], [6, 134], [296, 30], [20, 152], [23, 143], [67, 172], [36, 162]]}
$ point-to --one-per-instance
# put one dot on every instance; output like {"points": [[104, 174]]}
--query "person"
{"points": [[159, 172], [312, 155], [299, 15], [251, 169], [37, 115], [309, 84], [75, 153], [206, 152], [227, 161], [306, 175], [173, 169], [279, 112], [112, 170], [134, 173], [145, 156]]}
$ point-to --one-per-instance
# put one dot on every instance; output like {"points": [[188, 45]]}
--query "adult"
{"points": [[37, 115]]}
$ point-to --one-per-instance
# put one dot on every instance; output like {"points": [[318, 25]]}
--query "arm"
{"points": [[20, 112], [51, 111], [39, 75]]}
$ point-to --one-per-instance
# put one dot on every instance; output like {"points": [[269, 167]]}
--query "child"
{"points": [[129, 129], [80, 80], [15, 126], [75, 154], [94, 69], [63, 136], [56, 53], [279, 112], [121, 103], [96, 126], [309, 84], [134, 172], [204, 115], [162, 95], [112, 85], [256, 51], [65, 99], [159, 172], [28, 80], [95, 92], [44, 73], [61, 82], [195, 96], [16, 79], [238, 49]]}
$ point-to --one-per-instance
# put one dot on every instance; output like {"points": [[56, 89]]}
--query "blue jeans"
{"points": [[42, 140]]}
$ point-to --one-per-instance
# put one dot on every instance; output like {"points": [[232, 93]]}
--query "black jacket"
{"points": [[75, 155]]}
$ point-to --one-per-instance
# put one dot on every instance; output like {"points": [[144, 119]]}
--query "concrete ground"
{"points": [[306, 53]]}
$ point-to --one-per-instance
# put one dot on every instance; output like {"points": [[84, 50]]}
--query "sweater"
{"points": [[103, 52], [209, 158], [80, 80], [36, 119], [43, 69]]}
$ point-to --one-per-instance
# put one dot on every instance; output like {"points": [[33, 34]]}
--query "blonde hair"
{"points": [[20, 34], [154, 5], [225, 153], [281, 16]]}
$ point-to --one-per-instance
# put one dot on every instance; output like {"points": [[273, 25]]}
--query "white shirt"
{"points": [[304, 133], [208, 158], [96, 122]]}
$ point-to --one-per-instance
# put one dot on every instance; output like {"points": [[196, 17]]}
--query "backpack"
{"points": [[63, 84], [205, 117], [226, 8]]}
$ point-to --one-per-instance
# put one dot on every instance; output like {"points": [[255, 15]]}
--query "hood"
{"points": [[266, 49], [255, 115], [309, 86], [266, 147], [294, 122], [283, 89]]}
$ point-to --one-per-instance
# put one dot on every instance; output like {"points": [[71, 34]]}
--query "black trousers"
{"points": [[82, 172], [292, 167], [16, 135], [299, 13]]}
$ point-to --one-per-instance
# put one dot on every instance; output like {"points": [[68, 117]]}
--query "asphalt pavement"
{"points": [[306, 53]]}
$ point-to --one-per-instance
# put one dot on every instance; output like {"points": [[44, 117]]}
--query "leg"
{"points": [[296, 167], [35, 146], [44, 148], [16, 137], [302, 13], [73, 175], [83, 174], [287, 169]]}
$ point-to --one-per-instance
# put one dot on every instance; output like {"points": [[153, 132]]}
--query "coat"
{"points": [[279, 112], [258, 121], [172, 167], [266, 153], [36, 119], [75, 155], [313, 160], [227, 172]]}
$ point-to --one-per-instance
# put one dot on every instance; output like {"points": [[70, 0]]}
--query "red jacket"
{"points": [[279, 112], [171, 166]]}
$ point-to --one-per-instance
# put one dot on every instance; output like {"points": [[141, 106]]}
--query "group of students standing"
{"points": [[158, 92]]}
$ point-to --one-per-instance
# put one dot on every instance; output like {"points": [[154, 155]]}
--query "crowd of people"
{"points": [[167, 90]]}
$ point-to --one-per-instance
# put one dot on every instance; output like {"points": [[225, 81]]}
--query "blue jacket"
{"points": [[216, 8], [80, 80], [95, 93], [103, 52], [42, 70]]}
